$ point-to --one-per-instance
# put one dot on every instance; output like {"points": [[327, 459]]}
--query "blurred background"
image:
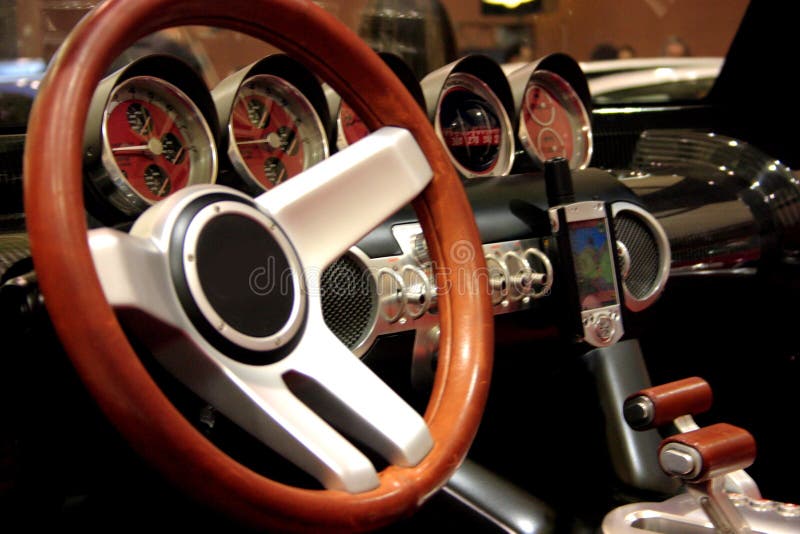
{"points": [[430, 33]]}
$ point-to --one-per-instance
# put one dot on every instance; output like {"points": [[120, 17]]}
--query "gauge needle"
{"points": [[253, 141], [263, 120], [134, 148], [163, 188], [281, 176], [146, 125], [178, 155]]}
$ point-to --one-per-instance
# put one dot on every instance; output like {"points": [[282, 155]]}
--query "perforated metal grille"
{"points": [[349, 299], [643, 249]]}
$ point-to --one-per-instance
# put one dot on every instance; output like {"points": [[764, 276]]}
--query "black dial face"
{"points": [[139, 118], [157, 181], [474, 127], [471, 129]]}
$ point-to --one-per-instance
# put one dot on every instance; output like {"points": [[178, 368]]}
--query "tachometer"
{"points": [[554, 122], [155, 141], [274, 131], [474, 126], [147, 136]]}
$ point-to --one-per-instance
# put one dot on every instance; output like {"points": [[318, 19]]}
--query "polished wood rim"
{"points": [[97, 346]]}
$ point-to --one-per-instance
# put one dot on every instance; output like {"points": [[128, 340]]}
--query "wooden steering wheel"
{"points": [[85, 281]]}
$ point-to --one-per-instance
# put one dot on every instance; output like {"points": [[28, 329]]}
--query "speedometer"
{"points": [[554, 122], [274, 120], [474, 127], [274, 132], [155, 141], [150, 132]]}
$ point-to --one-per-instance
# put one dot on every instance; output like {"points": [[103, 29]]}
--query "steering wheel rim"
{"points": [[97, 345]]}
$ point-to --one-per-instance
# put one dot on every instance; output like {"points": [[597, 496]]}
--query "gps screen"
{"points": [[593, 264]]}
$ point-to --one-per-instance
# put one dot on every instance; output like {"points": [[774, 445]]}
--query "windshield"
{"points": [[632, 50]]}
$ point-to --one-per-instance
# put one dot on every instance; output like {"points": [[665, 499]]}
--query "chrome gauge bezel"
{"points": [[505, 153], [293, 100], [569, 100], [188, 118]]}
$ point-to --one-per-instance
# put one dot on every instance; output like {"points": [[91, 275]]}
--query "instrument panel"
{"points": [[156, 128]]}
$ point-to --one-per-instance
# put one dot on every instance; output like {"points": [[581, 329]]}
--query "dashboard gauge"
{"points": [[349, 126], [554, 122], [274, 132], [155, 142], [474, 126]]}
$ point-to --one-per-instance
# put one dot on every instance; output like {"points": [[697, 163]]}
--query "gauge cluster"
{"points": [[155, 127]]}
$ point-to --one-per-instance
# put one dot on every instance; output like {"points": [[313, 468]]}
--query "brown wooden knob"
{"points": [[707, 453], [660, 405]]}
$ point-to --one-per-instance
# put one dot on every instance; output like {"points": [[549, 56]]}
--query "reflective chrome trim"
{"points": [[193, 232], [665, 256], [545, 280], [520, 276], [498, 284], [418, 293], [681, 515], [398, 294]]}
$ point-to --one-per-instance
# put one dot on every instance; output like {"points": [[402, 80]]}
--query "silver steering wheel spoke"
{"points": [[134, 275], [348, 394], [330, 206]]}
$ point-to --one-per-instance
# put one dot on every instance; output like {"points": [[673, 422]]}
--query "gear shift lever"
{"points": [[702, 458], [709, 460], [674, 404]]}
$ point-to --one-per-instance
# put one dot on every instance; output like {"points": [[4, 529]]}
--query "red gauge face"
{"points": [[351, 127], [149, 148], [554, 122], [275, 132], [156, 141]]}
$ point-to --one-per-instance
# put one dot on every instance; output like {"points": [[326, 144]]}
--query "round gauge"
{"points": [[274, 132], [474, 126], [554, 122], [350, 127], [155, 142]]}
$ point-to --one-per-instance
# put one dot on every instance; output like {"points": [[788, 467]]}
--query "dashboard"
{"points": [[680, 206], [154, 129]]}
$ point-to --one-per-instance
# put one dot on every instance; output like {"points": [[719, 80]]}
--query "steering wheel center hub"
{"points": [[243, 276]]}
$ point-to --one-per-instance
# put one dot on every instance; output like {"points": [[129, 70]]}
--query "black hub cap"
{"points": [[238, 279], [245, 275]]}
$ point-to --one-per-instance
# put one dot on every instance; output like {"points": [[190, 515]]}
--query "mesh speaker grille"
{"points": [[349, 299], [643, 249]]}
